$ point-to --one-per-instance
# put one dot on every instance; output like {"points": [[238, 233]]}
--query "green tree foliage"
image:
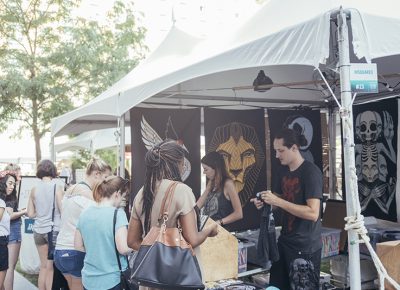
{"points": [[82, 158], [52, 61]]}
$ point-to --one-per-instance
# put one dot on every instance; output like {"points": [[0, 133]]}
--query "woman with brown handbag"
{"points": [[164, 164]]}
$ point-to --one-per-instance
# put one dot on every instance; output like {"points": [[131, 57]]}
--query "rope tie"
{"points": [[356, 223]]}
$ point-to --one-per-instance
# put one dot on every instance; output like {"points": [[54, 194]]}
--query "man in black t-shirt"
{"points": [[298, 194]]}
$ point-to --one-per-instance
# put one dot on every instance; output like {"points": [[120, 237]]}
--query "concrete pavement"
{"points": [[21, 283]]}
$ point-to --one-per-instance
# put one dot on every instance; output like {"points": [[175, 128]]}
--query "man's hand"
{"points": [[270, 198], [258, 203]]}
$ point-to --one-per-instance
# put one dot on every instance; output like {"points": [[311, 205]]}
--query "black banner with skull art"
{"points": [[240, 137], [305, 122], [375, 138], [150, 126]]}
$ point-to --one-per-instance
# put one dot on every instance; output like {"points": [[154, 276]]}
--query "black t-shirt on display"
{"points": [[297, 186]]}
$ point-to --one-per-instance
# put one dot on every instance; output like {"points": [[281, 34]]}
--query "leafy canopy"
{"points": [[52, 60]]}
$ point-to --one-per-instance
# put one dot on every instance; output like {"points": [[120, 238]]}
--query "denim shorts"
{"points": [[69, 262], [15, 232]]}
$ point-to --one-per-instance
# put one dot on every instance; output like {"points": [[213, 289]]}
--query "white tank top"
{"points": [[73, 205], [5, 220]]}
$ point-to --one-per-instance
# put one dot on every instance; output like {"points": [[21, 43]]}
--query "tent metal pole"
{"points": [[52, 150], [332, 153], [352, 204], [121, 155]]}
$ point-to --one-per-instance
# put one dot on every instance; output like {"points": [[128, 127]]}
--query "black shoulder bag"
{"points": [[165, 259]]}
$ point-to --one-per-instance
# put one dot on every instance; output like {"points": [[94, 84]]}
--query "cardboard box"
{"points": [[389, 254], [219, 256]]}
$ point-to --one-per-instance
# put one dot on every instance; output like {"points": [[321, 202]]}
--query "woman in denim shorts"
{"points": [[14, 240], [77, 198]]}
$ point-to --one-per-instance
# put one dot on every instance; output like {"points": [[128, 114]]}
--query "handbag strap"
{"points": [[167, 200], [54, 207], [115, 244]]}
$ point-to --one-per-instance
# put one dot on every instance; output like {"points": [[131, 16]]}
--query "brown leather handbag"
{"points": [[165, 260]]}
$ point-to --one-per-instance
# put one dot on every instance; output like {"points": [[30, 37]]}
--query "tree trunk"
{"points": [[38, 151], [35, 129]]}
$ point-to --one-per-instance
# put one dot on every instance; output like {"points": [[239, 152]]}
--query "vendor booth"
{"points": [[279, 59]]}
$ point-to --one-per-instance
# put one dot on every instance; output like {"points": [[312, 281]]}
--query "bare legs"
{"points": [[2, 276], [73, 282], [13, 253], [46, 269]]}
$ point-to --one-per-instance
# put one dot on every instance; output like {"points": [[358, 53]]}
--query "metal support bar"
{"points": [[121, 155], [332, 153], [52, 150], [352, 204]]}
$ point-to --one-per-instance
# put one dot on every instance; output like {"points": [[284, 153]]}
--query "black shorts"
{"points": [[3, 253], [296, 270]]}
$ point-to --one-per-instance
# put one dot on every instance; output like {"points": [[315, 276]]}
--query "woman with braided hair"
{"points": [[164, 165]]}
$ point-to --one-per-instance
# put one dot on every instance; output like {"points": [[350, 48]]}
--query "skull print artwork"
{"points": [[375, 135], [302, 275]]}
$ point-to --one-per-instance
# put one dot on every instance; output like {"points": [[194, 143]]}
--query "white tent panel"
{"points": [[93, 140], [286, 43]]}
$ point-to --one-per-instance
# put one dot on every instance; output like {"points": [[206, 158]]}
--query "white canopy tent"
{"points": [[288, 44], [93, 140]]}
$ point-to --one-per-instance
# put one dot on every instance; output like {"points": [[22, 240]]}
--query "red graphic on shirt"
{"points": [[290, 187]]}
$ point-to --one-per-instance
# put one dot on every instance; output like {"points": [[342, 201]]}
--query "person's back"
{"points": [[74, 203], [164, 165], [78, 197], [100, 270], [44, 203], [96, 236], [181, 204]]}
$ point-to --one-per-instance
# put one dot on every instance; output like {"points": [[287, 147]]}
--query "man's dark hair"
{"points": [[291, 137]]}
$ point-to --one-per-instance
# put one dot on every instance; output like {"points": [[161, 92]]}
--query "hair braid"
{"points": [[162, 162]]}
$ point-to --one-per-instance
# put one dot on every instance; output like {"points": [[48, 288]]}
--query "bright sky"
{"points": [[199, 17]]}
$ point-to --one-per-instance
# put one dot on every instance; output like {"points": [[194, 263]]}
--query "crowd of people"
{"points": [[77, 231]]}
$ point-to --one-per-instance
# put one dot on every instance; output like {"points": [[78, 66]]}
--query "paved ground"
{"points": [[21, 283]]}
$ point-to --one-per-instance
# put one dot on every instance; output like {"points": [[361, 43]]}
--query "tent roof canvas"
{"points": [[93, 140], [288, 45]]}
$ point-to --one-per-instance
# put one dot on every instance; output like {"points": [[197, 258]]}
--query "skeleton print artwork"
{"points": [[373, 153], [302, 275]]}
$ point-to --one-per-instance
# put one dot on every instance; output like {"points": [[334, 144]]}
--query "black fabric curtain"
{"points": [[375, 138], [149, 126]]}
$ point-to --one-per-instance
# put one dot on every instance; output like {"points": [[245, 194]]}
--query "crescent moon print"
{"points": [[239, 145]]}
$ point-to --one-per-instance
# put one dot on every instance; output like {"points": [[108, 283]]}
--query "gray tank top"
{"points": [[44, 201]]}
